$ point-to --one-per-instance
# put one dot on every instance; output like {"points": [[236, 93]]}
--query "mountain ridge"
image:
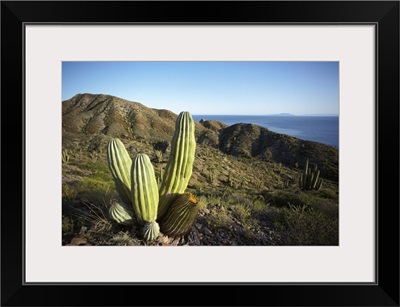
{"points": [[105, 116]]}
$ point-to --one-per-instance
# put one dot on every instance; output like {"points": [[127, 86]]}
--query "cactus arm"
{"points": [[144, 189], [121, 213], [119, 163], [316, 179], [319, 184], [301, 182], [180, 163]]}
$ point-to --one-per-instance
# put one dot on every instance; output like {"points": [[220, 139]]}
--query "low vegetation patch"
{"points": [[241, 199]]}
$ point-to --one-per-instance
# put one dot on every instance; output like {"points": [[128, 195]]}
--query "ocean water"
{"points": [[322, 129]]}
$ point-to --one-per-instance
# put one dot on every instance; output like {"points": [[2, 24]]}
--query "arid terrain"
{"points": [[245, 177]]}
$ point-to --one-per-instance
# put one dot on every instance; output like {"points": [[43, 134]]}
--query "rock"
{"points": [[175, 242], [207, 231], [78, 241], [162, 239]]}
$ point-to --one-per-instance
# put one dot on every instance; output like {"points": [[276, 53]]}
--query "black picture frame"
{"points": [[383, 14]]}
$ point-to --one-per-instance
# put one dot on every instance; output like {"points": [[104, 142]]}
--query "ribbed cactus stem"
{"points": [[319, 184], [315, 179], [121, 213], [144, 189], [181, 215], [306, 167], [180, 163], [120, 164], [151, 231]]}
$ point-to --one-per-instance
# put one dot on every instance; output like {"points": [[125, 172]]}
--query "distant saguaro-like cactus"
{"points": [[309, 179]]}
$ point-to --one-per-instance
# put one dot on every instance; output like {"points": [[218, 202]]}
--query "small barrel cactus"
{"points": [[121, 213], [181, 215], [120, 164], [180, 163]]}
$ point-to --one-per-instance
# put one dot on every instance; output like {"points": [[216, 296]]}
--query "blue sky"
{"points": [[217, 88]]}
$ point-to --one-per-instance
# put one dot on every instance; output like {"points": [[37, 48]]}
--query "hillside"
{"points": [[245, 176], [104, 115]]}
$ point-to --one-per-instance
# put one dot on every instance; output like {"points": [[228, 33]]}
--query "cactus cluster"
{"points": [[309, 179], [156, 205]]}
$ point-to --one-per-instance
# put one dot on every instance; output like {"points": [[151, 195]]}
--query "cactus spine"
{"points": [[181, 215], [180, 163], [309, 179], [144, 189], [120, 164]]}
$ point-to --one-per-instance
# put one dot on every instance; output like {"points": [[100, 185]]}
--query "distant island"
{"points": [[282, 114]]}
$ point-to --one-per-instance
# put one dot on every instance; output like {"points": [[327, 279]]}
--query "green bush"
{"points": [[282, 198], [302, 225]]}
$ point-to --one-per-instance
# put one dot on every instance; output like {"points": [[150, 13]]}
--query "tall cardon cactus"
{"points": [[180, 163]]}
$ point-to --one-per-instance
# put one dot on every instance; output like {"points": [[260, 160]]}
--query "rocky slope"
{"points": [[96, 115]]}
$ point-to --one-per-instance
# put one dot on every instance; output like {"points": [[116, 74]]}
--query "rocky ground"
{"points": [[201, 234]]}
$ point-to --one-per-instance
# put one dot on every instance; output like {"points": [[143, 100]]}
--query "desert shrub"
{"points": [[327, 194], [218, 219], [302, 225], [282, 198], [161, 146], [122, 239], [95, 216], [242, 213], [158, 155], [68, 192]]}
